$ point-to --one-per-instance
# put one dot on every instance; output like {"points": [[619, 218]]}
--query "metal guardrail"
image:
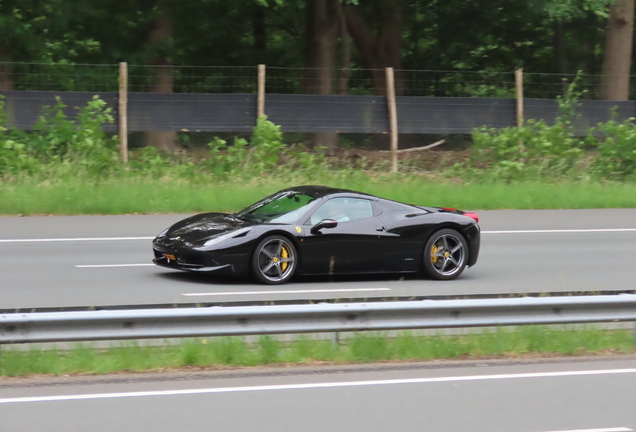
{"points": [[352, 299], [255, 320]]}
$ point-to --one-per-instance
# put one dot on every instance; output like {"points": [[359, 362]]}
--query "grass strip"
{"points": [[145, 195], [361, 348]]}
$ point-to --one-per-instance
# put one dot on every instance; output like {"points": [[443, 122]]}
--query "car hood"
{"points": [[205, 226]]}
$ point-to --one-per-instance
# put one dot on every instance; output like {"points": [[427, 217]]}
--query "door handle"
{"points": [[380, 229]]}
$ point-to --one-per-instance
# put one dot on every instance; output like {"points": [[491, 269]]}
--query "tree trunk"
{"points": [[260, 35], [160, 40], [380, 50], [559, 47], [6, 83], [6, 77], [320, 38], [6, 72], [345, 72], [618, 51]]}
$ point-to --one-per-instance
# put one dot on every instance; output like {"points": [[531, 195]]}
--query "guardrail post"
{"points": [[335, 338]]}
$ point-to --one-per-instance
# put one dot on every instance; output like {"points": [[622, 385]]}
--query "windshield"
{"points": [[281, 207]]}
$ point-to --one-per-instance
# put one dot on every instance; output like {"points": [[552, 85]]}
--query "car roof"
{"points": [[323, 191]]}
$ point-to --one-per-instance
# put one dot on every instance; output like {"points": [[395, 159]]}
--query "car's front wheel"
{"points": [[445, 254], [274, 260]]}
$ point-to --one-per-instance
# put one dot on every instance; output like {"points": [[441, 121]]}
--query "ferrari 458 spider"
{"points": [[309, 230]]}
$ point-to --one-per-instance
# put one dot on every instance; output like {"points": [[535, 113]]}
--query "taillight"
{"points": [[472, 215]]}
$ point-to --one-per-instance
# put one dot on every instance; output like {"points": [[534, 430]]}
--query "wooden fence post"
{"points": [[519, 87], [261, 91], [390, 95], [123, 111]]}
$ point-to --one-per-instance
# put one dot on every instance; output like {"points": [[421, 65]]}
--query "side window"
{"points": [[343, 210]]}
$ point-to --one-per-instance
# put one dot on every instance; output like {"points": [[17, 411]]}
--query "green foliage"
{"points": [[369, 347], [265, 153], [81, 142], [569, 102], [70, 167], [225, 159], [537, 150], [79, 145], [14, 156], [534, 150], [269, 349], [65, 147], [616, 145], [567, 10], [362, 348]]}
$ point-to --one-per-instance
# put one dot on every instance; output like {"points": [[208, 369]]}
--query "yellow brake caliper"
{"points": [[284, 254], [433, 252]]}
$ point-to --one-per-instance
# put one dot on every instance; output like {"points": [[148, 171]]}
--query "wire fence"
{"points": [[59, 77], [279, 80]]}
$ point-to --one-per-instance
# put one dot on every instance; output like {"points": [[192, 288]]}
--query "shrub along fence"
{"points": [[227, 110]]}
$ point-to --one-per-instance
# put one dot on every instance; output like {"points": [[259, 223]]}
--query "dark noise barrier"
{"points": [[236, 112]]}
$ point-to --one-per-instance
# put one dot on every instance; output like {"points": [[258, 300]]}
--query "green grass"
{"points": [[362, 348], [145, 195]]}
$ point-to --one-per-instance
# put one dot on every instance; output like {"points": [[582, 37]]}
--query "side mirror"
{"points": [[325, 223]]}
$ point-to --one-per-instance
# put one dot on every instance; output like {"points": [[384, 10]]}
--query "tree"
{"points": [[618, 51], [321, 30], [562, 15], [32, 31], [381, 48], [160, 54]]}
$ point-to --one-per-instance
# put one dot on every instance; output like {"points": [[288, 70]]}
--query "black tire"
{"points": [[445, 255], [274, 260]]}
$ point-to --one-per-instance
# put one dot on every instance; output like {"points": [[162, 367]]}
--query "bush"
{"points": [[265, 153], [616, 144], [534, 149], [58, 140]]}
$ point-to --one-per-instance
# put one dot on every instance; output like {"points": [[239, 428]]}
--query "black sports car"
{"points": [[321, 230]]}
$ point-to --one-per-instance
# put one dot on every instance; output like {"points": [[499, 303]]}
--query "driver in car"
{"points": [[333, 209]]}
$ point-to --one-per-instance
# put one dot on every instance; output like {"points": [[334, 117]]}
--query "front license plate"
{"points": [[170, 257]]}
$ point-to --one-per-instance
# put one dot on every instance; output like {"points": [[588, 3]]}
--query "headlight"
{"points": [[219, 239], [164, 232]]}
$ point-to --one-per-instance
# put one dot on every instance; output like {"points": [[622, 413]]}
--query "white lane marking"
{"points": [[310, 386], [555, 231], [114, 265], [618, 429], [285, 292], [559, 231], [74, 239]]}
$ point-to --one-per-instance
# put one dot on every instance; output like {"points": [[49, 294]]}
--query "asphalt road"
{"points": [[48, 262], [573, 396]]}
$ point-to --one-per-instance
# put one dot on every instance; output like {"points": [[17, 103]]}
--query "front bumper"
{"points": [[176, 265], [198, 261]]}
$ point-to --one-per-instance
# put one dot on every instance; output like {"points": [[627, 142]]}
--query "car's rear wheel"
{"points": [[274, 260], [445, 254]]}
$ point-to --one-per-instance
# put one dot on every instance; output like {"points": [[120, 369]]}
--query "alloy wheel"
{"points": [[276, 260], [445, 254], [448, 254]]}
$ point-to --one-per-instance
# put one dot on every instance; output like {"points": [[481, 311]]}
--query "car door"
{"points": [[351, 247]]}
